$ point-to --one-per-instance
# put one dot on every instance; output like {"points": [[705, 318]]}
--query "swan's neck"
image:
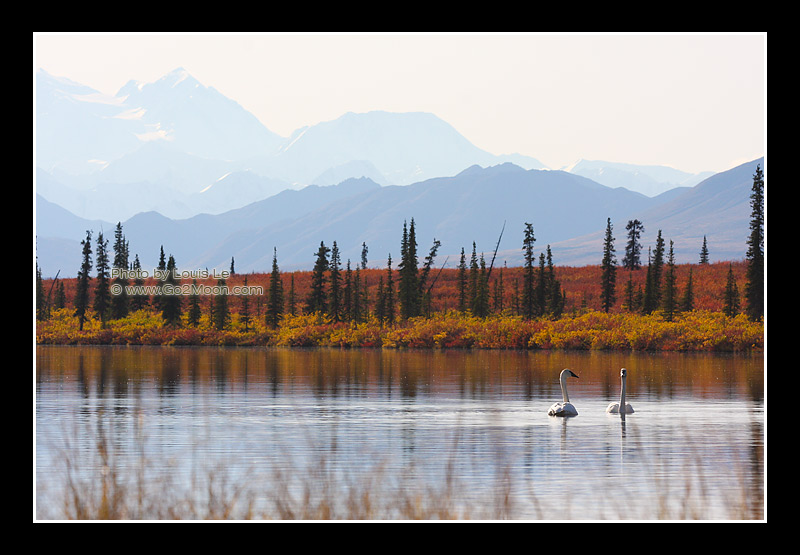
{"points": [[622, 396], [564, 394]]}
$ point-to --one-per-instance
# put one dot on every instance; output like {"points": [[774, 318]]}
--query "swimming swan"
{"points": [[565, 408], [614, 408]]}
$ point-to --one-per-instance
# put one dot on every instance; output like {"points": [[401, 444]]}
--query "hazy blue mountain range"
{"points": [[182, 166], [567, 211], [171, 146]]}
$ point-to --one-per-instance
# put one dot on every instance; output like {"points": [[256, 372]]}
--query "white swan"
{"points": [[564, 408], [614, 408]]}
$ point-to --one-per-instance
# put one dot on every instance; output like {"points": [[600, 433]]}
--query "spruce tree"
{"points": [[473, 279], [704, 252], [119, 301], [41, 310], [498, 292], [316, 301], [730, 301], [275, 302], [140, 301], [633, 248], [388, 293], [60, 300], [380, 312], [669, 293], [462, 283], [364, 251], [335, 279], [162, 267], [754, 288], [555, 300], [82, 287], [527, 300], [655, 268], [408, 274], [221, 317], [541, 288], [426, 271], [480, 307], [102, 292], [171, 302], [347, 293], [609, 271], [193, 316]]}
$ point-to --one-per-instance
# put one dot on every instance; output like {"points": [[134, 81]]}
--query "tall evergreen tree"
{"points": [[82, 288], [380, 299], [474, 267], [730, 300], [335, 279], [162, 267], [480, 307], [60, 300], [498, 292], [221, 316], [555, 298], [655, 268], [347, 293], [102, 291], [541, 288], [633, 248], [364, 251], [528, 297], [669, 293], [41, 309], [609, 271], [704, 252], [275, 302], [194, 314], [316, 301], [754, 288], [388, 293], [462, 283], [171, 303], [140, 301], [426, 271], [408, 274], [120, 301]]}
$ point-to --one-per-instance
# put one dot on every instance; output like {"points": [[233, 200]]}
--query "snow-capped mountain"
{"points": [[179, 136]]}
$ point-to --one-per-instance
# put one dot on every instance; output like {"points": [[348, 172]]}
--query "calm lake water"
{"points": [[465, 430]]}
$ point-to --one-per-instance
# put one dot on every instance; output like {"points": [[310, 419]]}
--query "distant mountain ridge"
{"points": [[567, 211]]}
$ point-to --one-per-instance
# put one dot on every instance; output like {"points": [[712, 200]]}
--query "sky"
{"points": [[694, 102]]}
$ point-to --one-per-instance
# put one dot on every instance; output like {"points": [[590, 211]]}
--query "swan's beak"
{"points": [[573, 374]]}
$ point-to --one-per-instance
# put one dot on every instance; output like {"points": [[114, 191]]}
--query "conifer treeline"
{"points": [[342, 293]]}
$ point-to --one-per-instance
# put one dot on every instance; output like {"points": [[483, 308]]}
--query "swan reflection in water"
{"points": [[564, 408]]}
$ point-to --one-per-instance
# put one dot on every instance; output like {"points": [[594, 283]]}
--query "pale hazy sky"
{"points": [[691, 101]]}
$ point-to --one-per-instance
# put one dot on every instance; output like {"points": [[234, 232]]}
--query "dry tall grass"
{"points": [[114, 486]]}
